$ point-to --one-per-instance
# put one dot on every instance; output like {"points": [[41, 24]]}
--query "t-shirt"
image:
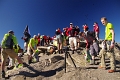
{"points": [[108, 34], [33, 42]]}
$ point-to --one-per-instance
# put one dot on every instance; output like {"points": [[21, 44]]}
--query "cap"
{"points": [[10, 31], [71, 23], [85, 27]]}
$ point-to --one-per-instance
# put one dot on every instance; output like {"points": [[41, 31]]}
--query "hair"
{"points": [[104, 18], [34, 36], [81, 33], [96, 22]]}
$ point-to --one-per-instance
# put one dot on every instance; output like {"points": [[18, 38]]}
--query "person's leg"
{"points": [[13, 55], [111, 55], [4, 57], [75, 42], [102, 59], [92, 52], [11, 62], [96, 48], [29, 53], [97, 35]]}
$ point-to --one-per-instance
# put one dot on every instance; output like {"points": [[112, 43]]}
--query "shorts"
{"points": [[29, 51], [59, 39], [8, 52], [25, 44]]}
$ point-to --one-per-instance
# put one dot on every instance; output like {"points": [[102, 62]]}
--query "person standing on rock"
{"points": [[59, 40], [72, 38], [7, 50], [110, 41]]}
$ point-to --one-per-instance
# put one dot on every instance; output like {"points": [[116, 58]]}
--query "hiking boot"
{"points": [[30, 61], [111, 71], [10, 67], [100, 67], [3, 74], [72, 51]]}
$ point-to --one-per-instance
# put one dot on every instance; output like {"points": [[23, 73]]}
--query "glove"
{"points": [[15, 47]]}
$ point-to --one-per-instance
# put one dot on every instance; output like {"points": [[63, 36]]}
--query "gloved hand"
{"points": [[15, 47]]}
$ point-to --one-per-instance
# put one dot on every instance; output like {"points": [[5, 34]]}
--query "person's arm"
{"points": [[15, 40], [112, 31], [3, 40], [113, 35], [31, 40]]}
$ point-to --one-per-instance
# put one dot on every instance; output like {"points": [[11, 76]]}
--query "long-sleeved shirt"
{"points": [[96, 28]]}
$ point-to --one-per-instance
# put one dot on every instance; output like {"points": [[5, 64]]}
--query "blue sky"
{"points": [[44, 16]]}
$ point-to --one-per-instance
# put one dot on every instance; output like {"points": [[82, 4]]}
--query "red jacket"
{"points": [[96, 28]]}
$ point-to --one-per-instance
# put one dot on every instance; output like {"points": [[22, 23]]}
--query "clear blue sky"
{"points": [[44, 16]]}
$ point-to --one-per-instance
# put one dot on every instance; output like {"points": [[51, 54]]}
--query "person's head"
{"points": [[58, 29], [95, 23], [71, 25], [85, 27], [104, 21], [11, 32], [35, 36], [38, 34], [82, 34]]}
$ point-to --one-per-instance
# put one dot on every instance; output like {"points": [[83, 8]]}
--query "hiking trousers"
{"points": [[111, 55], [73, 41], [94, 49]]}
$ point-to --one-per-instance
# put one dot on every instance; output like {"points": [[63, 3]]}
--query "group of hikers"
{"points": [[69, 36]]}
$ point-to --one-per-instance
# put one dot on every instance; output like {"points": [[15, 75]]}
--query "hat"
{"points": [[71, 23], [85, 27], [34, 36], [10, 31]]}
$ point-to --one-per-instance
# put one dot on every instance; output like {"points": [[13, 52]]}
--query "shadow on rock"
{"points": [[36, 73]]}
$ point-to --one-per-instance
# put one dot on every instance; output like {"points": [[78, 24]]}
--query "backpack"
{"points": [[9, 42], [27, 36], [57, 33], [72, 32]]}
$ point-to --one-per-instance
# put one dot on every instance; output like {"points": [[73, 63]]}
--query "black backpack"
{"points": [[72, 32]]}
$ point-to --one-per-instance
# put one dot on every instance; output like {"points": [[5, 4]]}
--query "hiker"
{"points": [[96, 30], [59, 40], [72, 38], [41, 40], [91, 43], [26, 39], [7, 44], [32, 49], [110, 42], [38, 38], [78, 37]]}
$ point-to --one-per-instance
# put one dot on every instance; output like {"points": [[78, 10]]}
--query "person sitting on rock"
{"points": [[7, 49]]}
